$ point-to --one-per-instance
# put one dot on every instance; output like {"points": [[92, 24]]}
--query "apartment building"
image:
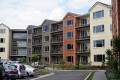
{"points": [[46, 39], [37, 41], [69, 40], [100, 32], [83, 39], [56, 52], [29, 41], [18, 44], [116, 17], [4, 41]]}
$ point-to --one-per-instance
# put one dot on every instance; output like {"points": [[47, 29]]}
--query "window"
{"points": [[69, 58], [46, 38], [99, 58], [99, 28], [110, 27], [29, 40], [99, 43], [2, 40], [29, 50], [98, 14], [29, 31], [46, 28], [2, 31], [110, 13], [83, 21], [45, 48], [19, 35], [69, 22], [2, 49], [69, 34], [69, 46]]}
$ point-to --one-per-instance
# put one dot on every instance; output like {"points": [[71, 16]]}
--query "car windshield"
{"points": [[29, 66], [8, 67]]}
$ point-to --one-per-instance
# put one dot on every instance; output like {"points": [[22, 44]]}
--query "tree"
{"points": [[34, 58], [109, 55], [22, 59], [116, 50]]}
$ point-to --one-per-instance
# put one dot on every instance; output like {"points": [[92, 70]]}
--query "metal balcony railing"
{"points": [[85, 37], [82, 25], [83, 50]]}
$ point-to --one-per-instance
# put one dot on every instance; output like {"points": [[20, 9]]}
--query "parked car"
{"points": [[38, 65], [2, 72], [30, 71], [21, 70], [10, 72]]}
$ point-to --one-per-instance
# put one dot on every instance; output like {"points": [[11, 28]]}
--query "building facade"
{"points": [[116, 17], [18, 45], [100, 32], [4, 41]]}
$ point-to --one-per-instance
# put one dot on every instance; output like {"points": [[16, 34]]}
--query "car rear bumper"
{"points": [[13, 76]]}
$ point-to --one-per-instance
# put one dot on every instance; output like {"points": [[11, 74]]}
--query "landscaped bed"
{"points": [[43, 72], [91, 76]]}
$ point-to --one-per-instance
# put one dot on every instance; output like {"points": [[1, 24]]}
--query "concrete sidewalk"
{"points": [[99, 75]]}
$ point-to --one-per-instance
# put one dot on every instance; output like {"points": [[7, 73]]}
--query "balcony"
{"points": [[83, 38], [37, 52], [82, 51], [37, 43], [57, 41], [83, 25], [37, 34], [17, 53], [56, 52], [56, 30]]}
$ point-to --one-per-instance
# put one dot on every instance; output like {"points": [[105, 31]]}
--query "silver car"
{"points": [[21, 70], [30, 71]]}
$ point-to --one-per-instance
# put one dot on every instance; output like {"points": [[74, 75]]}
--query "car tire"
{"points": [[13, 79], [27, 74], [31, 75], [22, 77]]}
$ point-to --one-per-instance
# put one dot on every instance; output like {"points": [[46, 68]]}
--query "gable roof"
{"points": [[107, 5], [31, 26], [49, 21], [5, 25], [74, 14]]}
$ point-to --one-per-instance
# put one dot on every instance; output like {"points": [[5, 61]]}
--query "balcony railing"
{"points": [[37, 52], [37, 43], [57, 41], [82, 38], [56, 52], [56, 30], [16, 53], [83, 25], [82, 50]]}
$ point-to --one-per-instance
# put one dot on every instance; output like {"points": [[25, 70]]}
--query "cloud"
{"points": [[21, 13]]}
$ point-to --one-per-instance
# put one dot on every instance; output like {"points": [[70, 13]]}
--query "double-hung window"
{"points": [[69, 58], [2, 40], [69, 34], [46, 28], [99, 43], [45, 48], [2, 31], [98, 14], [69, 46], [69, 22], [46, 38], [99, 58], [99, 28], [2, 49], [110, 27]]}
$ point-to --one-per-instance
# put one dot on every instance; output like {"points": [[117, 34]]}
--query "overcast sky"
{"points": [[18, 14]]}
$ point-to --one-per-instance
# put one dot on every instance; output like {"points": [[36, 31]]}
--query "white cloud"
{"points": [[21, 13]]}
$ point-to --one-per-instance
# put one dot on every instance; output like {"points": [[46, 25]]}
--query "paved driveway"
{"points": [[67, 75]]}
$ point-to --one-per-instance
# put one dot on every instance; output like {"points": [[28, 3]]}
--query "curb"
{"points": [[87, 76], [43, 76]]}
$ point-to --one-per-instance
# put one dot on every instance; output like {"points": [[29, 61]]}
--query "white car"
{"points": [[21, 70], [30, 71]]}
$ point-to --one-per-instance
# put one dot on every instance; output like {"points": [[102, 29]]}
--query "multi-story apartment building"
{"points": [[46, 39], [56, 53], [83, 39], [4, 41], [116, 17], [18, 44], [100, 32], [29, 41], [37, 41]]}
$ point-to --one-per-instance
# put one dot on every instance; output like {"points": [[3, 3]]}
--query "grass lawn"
{"points": [[91, 76], [43, 72]]}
